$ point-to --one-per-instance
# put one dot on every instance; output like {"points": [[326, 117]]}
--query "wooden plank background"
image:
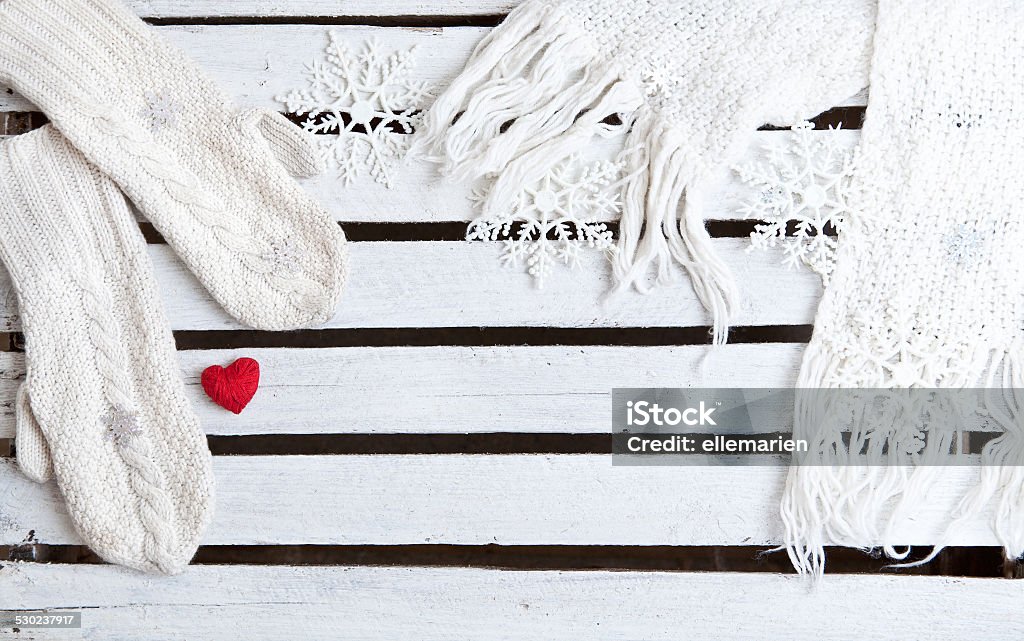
{"points": [[490, 500], [452, 414], [460, 284], [452, 390], [242, 603]]}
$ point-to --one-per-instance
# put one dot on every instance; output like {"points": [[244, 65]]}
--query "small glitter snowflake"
{"points": [[804, 184], [122, 425], [364, 104], [657, 81], [283, 256], [554, 220], [162, 110], [965, 245]]}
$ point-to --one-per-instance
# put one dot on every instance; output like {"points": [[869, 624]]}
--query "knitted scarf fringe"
{"points": [[863, 507], [534, 93]]}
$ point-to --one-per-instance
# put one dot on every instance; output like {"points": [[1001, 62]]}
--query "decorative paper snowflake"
{"points": [[364, 104], [122, 425], [162, 110], [884, 349], [804, 184], [554, 220]]}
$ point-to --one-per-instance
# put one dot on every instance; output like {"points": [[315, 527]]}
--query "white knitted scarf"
{"points": [[923, 293], [692, 81], [926, 291]]}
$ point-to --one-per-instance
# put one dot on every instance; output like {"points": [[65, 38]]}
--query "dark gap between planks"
{"points": [[981, 562], [426, 444], [849, 118], [469, 337], [487, 337], [494, 443], [18, 122], [364, 232], [406, 21]]}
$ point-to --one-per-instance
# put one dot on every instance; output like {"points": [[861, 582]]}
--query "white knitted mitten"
{"points": [[694, 79], [104, 387], [213, 180]]}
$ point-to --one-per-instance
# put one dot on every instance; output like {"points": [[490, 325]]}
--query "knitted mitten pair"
{"points": [[103, 400], [693, 81]]}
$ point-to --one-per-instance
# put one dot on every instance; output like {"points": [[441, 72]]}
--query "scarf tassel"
{"points": [[865, 506], [534, 93]]}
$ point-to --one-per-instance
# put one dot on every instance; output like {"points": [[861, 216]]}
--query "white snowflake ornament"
{"points": [[364, 105], [122, 425], [965, 245], [284, 256], [804, 184], [554, 220], [162, 110]]}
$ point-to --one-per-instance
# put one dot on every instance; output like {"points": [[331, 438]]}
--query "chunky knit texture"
{"points": [[926, 289], [103, 398], [213, 180], [693, 80]]}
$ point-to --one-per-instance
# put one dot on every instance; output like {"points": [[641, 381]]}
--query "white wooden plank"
{"points": [[248, 603], [453, 390], [461, 390], [255, 75], [422, 196], [484, 499], [318, 8], [462, 284], [256, 63]]}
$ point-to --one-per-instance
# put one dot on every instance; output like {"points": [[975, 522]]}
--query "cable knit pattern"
{"points": [[156, 508], [213, 180], [925, 291], [693, 80], [103, 399]]}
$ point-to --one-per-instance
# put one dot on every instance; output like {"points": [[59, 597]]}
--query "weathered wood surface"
{"points": [[461, 390], [453, 390], [480, 499], [487, 499], [462, 284], [445, 604], [256, 75]]}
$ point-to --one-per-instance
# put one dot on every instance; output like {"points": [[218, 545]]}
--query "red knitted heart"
{"points": [[232, 387]]}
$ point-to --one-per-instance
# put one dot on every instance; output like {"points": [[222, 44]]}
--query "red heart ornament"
{"points": [[232, 387]]}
